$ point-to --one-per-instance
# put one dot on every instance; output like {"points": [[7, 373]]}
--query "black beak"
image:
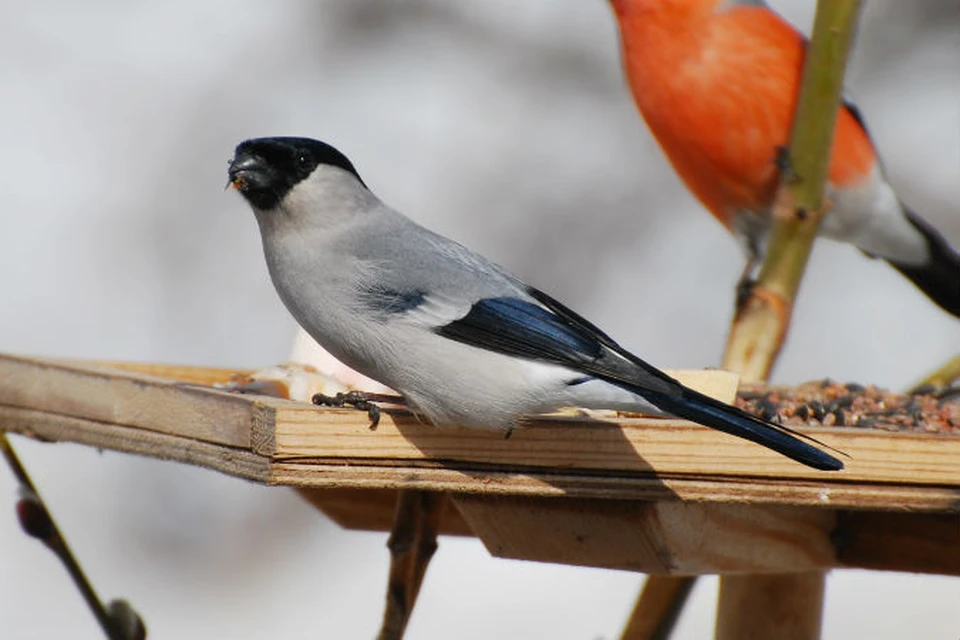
{"points": [[247, 172]]}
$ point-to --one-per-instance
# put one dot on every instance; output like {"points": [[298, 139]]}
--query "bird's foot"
{"points": [[356, 399]]}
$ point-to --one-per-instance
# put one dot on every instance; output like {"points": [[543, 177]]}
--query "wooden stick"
{"points": [[400, 543], [432, 504], [659, 606], [412, 543]]}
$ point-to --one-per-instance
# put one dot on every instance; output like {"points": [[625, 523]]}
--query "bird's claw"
{"points": [[356, 399]]}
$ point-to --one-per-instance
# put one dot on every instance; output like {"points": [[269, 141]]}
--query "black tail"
{"points": [[939, 278], [697, 407], [606, 360]]}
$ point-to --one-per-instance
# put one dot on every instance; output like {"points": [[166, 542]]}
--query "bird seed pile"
{"points": [[832, 404]]}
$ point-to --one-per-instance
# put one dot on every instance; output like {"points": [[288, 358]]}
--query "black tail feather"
{"points": [[697, 407], [939, 278], [625, 370]]}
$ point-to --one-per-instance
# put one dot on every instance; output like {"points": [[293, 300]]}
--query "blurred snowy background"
{"points": [[504, 124]]}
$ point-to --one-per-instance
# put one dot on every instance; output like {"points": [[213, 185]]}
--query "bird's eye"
{"points": [[303, 160]]}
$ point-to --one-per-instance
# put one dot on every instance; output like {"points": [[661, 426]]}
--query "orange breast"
{"points": [[718, 91]]}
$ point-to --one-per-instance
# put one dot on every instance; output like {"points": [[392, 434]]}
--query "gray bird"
{"points": [[463, 340]]}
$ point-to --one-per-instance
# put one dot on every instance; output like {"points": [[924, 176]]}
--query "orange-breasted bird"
{"points": [[717, 82]]}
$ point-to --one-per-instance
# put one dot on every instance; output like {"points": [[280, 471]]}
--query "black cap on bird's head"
{"points": [[265, 169]]}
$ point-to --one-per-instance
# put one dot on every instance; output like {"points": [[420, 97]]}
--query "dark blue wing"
{"points": [[544, 329], [523, 328]]}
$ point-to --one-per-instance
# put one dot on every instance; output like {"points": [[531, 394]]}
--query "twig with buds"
{"points": [[118, 619]]}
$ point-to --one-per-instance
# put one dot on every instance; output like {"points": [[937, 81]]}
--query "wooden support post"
{"points": [[759, 607]]}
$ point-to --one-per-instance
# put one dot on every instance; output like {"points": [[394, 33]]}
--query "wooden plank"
{"points": [[133, 400], [916, 542], [207, 376], [715, 383], [890, 541], [294, 431], [372, 509], [886, 541], [52, 427], [646, 458], [460, 478], [627, 445], [491, 481], [674, 538]]}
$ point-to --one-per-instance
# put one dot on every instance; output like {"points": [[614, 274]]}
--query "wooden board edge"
{"points": [[835, 495], [135, 399], [48, 427], [622, 445]]}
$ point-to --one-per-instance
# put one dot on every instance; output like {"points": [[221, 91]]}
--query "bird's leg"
{"points": [[750, 230], [781, 158], [358, 400], [412, 543], [746, 282]]}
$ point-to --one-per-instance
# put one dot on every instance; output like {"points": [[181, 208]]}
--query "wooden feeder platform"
{"points": [[659, 496]]}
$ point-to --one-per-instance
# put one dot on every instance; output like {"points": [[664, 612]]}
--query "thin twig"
{"points": [[401, 544], [37, 521], [412, 543], [433, 504]]}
